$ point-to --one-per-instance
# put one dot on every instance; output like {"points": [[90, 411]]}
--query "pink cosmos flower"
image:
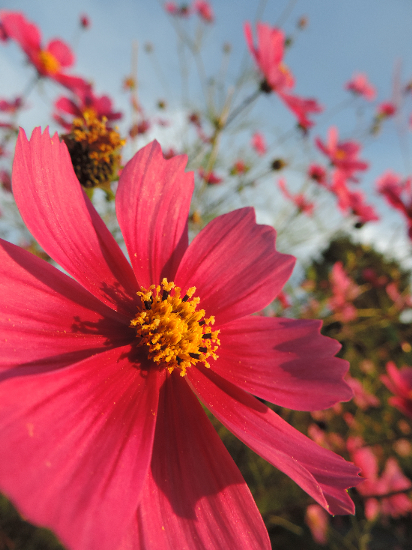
{"points": [[204, 10], [50, 61], [268, 56], [399, 382], [174, 9], [299, 200], [301, 107], [102, 436], [318, 173], [344, 291], [11, 106], [392, 479], [86, 100], [398, 193], [85, 21], [360, 85], [210, 178], [361, 397], [317, 520], [259, 143], [386, 109], [342, 154]]}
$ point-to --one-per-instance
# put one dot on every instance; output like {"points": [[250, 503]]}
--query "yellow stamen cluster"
{"points": [[176, 334], [49, 62], [94, 150], [340, 154]]}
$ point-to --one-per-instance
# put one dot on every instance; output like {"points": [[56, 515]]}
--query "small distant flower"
{"points": [[239, 168], [344, 291], [204, 10], [268, 55], [210, 177], [399, 382], [140, 128], [318, 173], [114, 360], [342, 154], [398, 193], [386, 109], [5, 180], [317, 520], [180, 11], [400, 301], [85, 102], [85, 21], [299, 200], [49, 61], [284, 300], [11, 106], [169, 153], [301, 107], [360, 85], [259, 143], [392, 479], [362, 398]]}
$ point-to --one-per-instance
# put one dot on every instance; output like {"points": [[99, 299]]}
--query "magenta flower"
{"points": [[85, 101], [204, 10], [391, 480], [398, 193], [360, 85], [102, 436], [49, 61], [342, 154], [299, 200], [268, 56], [258, 143], [399, 382]]}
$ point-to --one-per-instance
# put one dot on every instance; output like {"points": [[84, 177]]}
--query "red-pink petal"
{"points": [[284, 361], [152, 205], [22, 31], [61, 52], [234, 266], [64, 222], [324, 475], [76, 444], [194, 495], [47, 317]]}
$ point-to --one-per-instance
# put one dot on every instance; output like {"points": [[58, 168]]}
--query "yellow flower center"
{"points": [[340, 154], [49, 62], [94, 149], [176, 334]]}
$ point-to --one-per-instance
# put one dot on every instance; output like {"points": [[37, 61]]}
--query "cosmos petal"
{"points": [[47, 317], [285, 361], [234, 266], [194, 495], [64, 222], [152, 205], [324, 475], [72, 440]]}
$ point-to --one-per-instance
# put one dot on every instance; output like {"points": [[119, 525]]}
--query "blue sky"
{"points": [[372, 36]]}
